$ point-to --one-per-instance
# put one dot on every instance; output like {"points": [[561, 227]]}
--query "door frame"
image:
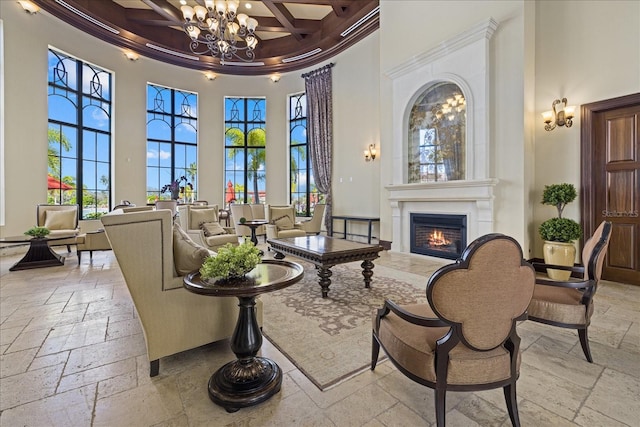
{"points": [[588, 219]]}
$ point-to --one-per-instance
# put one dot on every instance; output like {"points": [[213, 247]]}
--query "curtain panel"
{"points": [[318, 86]]}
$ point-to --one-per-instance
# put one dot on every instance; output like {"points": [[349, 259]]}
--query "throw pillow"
{"points": [[283, 223], [212, 229], [60, 220], [187, 254], [198, 216]]}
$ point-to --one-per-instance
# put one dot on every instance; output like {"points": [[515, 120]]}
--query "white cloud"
{"points": [[153, 154]]}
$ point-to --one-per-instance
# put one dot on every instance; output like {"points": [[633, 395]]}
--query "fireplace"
{"points": [[439, 235]]}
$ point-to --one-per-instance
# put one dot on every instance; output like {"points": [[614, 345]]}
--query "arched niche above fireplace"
{"points": [[436, 135]]}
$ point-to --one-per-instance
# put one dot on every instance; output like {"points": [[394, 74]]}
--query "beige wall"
{"points": [[586, 51]]}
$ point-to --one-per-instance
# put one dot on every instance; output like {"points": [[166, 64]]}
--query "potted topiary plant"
{"points": [[231, 262], [559, 233], [37, 232]]}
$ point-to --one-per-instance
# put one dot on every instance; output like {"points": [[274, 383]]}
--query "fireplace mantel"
{"points": [[473, 198]]}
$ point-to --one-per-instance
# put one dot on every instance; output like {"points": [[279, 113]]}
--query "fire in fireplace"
{"points": [[439, 235]]}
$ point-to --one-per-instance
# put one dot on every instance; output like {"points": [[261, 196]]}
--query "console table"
{"points": [[347, 218], [249, 379]]}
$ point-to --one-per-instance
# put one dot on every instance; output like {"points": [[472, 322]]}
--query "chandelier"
{"points": [[224, 34]]}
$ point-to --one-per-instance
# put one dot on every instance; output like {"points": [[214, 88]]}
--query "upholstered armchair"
{"points": [[569, 304], [282, 222], [465, 338], [61, 220], [250, 212], [153, 255], [314, 225], [91, 238], [172, 205], [202, 224]]}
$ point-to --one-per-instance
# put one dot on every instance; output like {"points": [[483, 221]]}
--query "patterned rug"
{"points": [[329, 339]]}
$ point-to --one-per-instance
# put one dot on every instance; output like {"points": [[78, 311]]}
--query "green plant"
{"points": [[231, 261], [242, 220], [559, 195], [37, 232], [560, 230]]}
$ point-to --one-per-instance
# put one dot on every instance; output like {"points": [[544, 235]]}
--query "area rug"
{"points": [[329, 339]]}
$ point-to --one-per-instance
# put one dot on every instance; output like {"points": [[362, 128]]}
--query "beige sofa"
{"points": [[173, 319], [190, 218], [251, 212]]}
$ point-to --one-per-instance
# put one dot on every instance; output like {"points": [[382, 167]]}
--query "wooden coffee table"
{"points": [[325, 252]]}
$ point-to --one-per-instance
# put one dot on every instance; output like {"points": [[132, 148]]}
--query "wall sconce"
{"points": [[29, 7], [131, 56], [370, 153], [275, 78], [210, 76], [560, 115]]}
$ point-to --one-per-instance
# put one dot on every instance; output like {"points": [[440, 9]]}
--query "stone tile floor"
{"points": [[72, 354]]}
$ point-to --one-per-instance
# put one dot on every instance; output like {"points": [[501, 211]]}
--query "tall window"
{"points": [[172, 141], [245, 141], [303, 193], [79, 135], [437, 128]]}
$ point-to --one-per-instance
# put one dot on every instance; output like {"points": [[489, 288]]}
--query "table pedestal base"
{"points": [[243, 383], [38, 255]]}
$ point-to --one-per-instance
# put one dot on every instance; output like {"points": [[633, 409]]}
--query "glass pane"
{"points": [[437, 134]]}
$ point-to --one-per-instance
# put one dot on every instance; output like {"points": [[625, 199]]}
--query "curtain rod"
{"points": [[319, 70]]}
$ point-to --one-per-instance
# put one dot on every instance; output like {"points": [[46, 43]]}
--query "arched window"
{"points": [[437, 135]]}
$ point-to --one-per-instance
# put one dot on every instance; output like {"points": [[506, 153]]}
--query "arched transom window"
{"points": [[437, 129]]}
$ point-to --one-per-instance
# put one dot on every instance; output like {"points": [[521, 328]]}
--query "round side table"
{"points": [[248, 380]]}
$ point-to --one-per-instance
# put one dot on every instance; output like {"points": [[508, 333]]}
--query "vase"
{"points": [[175, 194], [559, 253]]}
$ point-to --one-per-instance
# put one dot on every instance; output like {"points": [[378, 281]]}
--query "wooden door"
{"points": [[610, 188]]}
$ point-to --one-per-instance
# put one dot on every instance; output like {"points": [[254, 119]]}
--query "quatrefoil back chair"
{"points": [[465, 338], [569, 304]]}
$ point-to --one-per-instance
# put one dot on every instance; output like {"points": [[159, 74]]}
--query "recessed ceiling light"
{"points": [[247, 5]]}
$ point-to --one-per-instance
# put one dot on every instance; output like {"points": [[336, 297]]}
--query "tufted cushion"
{"points": [[212, 229], [283, 222], [187, 255], [60, 219], [558, 305], [198, 216]]}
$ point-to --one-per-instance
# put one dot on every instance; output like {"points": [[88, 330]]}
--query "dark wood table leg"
{"points": [[248, 380], [254, 238], [324, 273], [38, 255], [367, 272]]}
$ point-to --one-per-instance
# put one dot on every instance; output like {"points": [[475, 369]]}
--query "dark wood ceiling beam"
{"points": [[147, 17], [166, 10], [319, 2], [285, 17], [339, 10]]}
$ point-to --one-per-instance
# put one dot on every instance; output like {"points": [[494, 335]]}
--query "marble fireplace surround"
{"points": [[463, 60]]}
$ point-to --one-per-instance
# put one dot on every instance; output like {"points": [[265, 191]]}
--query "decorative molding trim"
{"points": [[482, 30]]}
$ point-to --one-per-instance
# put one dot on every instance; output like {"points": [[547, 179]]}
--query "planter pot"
{"points": [[559, 253], [175, 195]]}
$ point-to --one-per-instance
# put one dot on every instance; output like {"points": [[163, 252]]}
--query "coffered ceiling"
{"points": [[292, 34]]}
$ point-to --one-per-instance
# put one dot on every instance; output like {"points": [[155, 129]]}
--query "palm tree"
{"points": [[255, 157], [56, 138]]}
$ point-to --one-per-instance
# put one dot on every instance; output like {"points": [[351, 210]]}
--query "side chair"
{"points": [[569, 304], [465, 338], [61, 220]]}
